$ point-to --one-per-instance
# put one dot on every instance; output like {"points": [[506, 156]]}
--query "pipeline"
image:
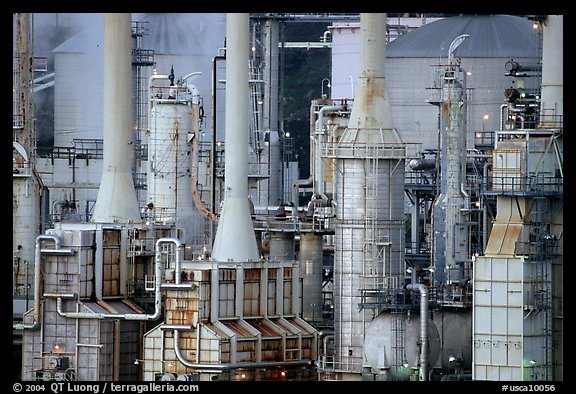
{"points": [[132, 316], [38, 275], [224, 366], [320, 133], [423, 327]]}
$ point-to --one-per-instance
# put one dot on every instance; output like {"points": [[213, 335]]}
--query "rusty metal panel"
{"points": [[252, 274], [503, 238], [227, 275], [272, 350], [111, 237], [252, 298], [238, 329], [271, 307], [246, 350], [266, 328], [226, 303]]}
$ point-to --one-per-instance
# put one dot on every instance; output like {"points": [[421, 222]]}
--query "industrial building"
{"points": [[166, 235]]}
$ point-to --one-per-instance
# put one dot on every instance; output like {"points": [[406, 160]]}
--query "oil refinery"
{"points": [[166, 233]]}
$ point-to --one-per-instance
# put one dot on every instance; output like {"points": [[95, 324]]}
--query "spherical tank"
{"points": [[169, 157], [384, 336]]}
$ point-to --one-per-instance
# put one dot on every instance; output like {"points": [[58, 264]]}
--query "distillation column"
{"points": [[450, 233], [369, 245]]}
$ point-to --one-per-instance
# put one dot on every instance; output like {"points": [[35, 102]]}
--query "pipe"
{"points": [[423, 327], [320, 173], [130, 316], [213, 155], [296, 187], [38, 275], [246, 364]]}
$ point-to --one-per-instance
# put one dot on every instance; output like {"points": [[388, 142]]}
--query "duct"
{"points": [[296, 187], [224, 366], [204, 210], [423, 327], [38, 275]]}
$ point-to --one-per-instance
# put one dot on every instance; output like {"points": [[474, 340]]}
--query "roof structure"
{"points": [[489, 36]]}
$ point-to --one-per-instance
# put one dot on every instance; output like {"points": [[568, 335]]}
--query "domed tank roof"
{"points": [[506, 36], [184, 34]]}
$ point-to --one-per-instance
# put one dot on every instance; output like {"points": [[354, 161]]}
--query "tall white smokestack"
{"points": [[117, 200], [552, 102], [235, 239], [371, 111]]}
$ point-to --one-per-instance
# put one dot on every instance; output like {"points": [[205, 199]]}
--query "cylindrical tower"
{"points": [[310, 257], [369, 233], [281, 246], [117, 200], [451, 249], [169, 154], [235, 239], [552, 101]]}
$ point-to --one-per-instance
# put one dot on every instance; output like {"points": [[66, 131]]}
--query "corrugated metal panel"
{"points": [[238, 329], [265, 327], [503, 238], [498, 321]]}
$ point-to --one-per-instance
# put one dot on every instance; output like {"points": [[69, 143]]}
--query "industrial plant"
{"points": [[166, 231]]}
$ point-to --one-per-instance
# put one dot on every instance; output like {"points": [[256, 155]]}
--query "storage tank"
{"points": [[173, 120], [391, 333]]}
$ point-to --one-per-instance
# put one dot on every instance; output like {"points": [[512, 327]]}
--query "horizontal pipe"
{"points": [[178, 286], [58, 252], [132, 316], [171, 327], [222, 366]]}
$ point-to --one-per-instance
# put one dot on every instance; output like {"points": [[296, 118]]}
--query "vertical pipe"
{"points": [[117, 200], [235, 239], [423, 326], [116, 357]]}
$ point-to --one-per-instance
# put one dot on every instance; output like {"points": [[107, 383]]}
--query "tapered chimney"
{"points": [[235, 239], [117, 200]]}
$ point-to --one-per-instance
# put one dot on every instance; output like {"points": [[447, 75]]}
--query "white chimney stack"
{"points": [[235, 239], [552, 101], [117, 201]]}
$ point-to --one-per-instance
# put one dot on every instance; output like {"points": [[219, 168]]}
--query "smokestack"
{"points": [[235, 239], [371, 110], [117, 200], [552, 102]]}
